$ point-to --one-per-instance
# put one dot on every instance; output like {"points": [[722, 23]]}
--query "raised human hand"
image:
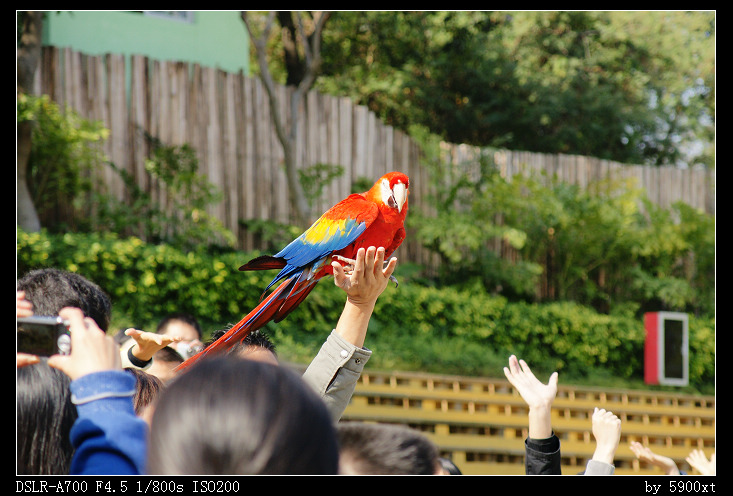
{"points": [[23, 307], [606, 428], [645, 454], [366, 278], [699, 462], [538, 396], [532, 390], [91, 349], [147, 343]]}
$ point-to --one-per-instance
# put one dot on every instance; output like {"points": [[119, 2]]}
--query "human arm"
{"points": [[645, 454], [363, 286], [538, 396], [138, 352], [542, 446], [607, 431], [107, 436], [334, 372]]}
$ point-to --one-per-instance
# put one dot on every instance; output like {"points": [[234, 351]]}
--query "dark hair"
{"points": [[258, 338], [168, 354], [44, 416], [232, 416], [147, 389], [385, 449], [449, 467], [181, 316], [50, 290]]}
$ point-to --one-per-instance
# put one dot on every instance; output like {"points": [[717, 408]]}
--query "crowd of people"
{"points": [[116, 405]]}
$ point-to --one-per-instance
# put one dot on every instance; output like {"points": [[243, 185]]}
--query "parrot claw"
{"points": [[349, 267]]}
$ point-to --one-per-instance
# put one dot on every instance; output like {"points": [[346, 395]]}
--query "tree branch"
{"points": [[288, 135]]}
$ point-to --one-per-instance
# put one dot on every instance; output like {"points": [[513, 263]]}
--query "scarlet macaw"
{"points": [[373, 218]]}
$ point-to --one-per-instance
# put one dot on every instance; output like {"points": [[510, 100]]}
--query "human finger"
{"points": [[23, 359], [390, 268], [369, 262], [526, 369], [339, 275]]}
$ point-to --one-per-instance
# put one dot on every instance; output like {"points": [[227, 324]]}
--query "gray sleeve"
{"points": [[333, 373], [599, 468]]}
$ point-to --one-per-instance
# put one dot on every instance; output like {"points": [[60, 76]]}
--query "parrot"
{"points": [[373, 218]]}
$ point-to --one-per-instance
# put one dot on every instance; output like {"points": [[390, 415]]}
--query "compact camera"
{"points": [[187, 350], [43, 336]]}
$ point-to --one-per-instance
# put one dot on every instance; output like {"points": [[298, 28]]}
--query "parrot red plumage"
{"points": [[373, 218]]}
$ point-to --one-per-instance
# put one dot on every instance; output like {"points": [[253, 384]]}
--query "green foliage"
{"points": [[64, 158], [463, 223], [635, 87], [147, 281], [316, 177], [457, 330], [605, 246], [65, 149], [177, 215], [269, 235]]}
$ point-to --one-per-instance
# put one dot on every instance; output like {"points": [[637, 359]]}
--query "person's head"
{"points": [[255, 346], [232, 416], [147, 389], [449, 468], [385, 449], [50, 290], [44, 416], [186, 327], [165, 360]]}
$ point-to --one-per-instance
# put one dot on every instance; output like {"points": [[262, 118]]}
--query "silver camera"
{"points": [[43, 336]]}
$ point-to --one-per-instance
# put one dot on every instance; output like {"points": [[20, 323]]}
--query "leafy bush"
{"points": [[65, 149], [604, 245], [178, 215], [451, 329]]}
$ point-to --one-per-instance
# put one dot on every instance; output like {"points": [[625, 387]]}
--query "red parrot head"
{"points": [[392, 189]]}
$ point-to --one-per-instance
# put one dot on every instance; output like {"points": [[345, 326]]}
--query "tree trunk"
{"points": [[294, 32], [29, 53]]}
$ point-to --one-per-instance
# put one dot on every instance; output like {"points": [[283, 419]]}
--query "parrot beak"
{"points": [[399, 194]]}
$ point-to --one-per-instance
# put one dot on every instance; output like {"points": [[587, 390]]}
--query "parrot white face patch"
{"points": [[394, 198], [386, 192]]}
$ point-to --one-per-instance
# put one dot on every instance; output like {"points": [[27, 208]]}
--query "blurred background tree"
{"points": [[634, 87]]}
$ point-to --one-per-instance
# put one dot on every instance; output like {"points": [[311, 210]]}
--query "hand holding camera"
{"points": [[43, 336], [91, 349]]}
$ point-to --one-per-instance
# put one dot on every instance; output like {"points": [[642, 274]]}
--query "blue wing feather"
{"points": [[325, 236]]}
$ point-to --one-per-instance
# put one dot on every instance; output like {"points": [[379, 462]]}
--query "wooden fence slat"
{"points": [[138, 118], [118, 120]]}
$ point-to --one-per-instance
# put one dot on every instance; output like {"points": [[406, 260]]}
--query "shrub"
{"points": [[457, 330]]}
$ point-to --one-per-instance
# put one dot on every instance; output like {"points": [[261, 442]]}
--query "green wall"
{"points": [[214, 38]]}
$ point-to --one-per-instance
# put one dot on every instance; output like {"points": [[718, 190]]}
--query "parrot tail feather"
{"points": [[264, 312], [264, 262]]}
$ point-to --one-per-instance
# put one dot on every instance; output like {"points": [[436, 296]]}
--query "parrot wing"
{"points": [[302, 264], [337, 228], [374, 218]]}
